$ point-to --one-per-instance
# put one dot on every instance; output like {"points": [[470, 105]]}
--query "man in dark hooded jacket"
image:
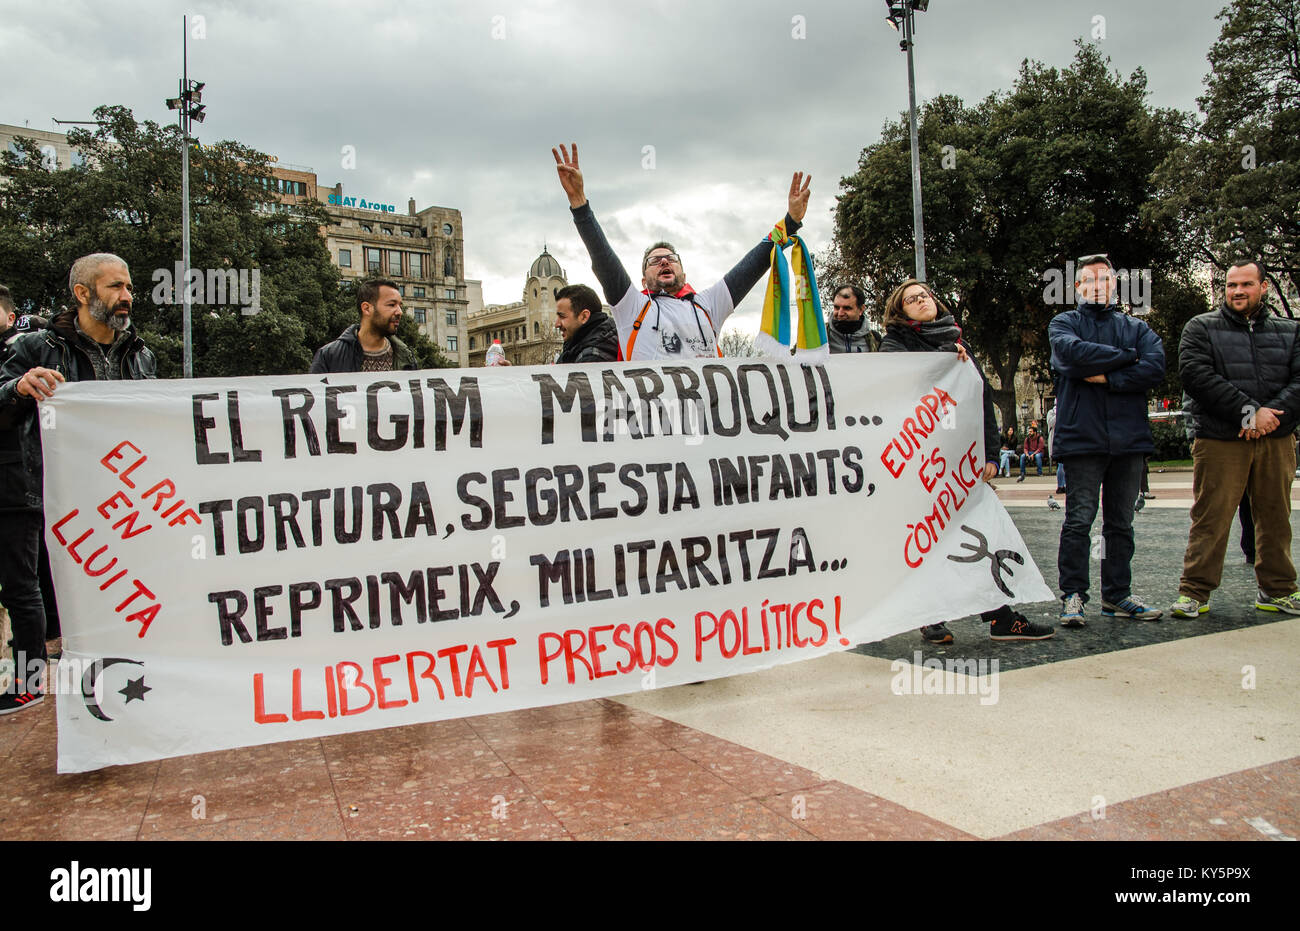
{"points": [[1105, 361], [590, 334]]}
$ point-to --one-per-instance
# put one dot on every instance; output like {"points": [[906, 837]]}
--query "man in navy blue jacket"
{"points": [[1105, 361]]}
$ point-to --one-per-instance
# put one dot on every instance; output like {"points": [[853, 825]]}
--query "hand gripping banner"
{"points": [[244, 561]]}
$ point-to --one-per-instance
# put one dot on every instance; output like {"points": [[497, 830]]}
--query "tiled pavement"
{"points": [[1157, 741]]}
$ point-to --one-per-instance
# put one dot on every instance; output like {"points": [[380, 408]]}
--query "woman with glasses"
{"points": [[915, 321]]}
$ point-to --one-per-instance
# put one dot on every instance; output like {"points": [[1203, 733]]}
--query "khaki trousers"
{"points": [[1221, 471]]}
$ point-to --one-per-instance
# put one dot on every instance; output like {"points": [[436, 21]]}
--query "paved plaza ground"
{"points": [[1181, 729]]}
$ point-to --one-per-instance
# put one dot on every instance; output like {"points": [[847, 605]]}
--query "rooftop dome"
{"points": [[545, 266]]}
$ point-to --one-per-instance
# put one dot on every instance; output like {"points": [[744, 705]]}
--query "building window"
{"points": [[345, 258], [419, 315], [372, 260], [449, 294], [471, 343], [365, 228], [394, 263], [406, 233], [451, 318], [523, 332], [386, 230], [536, 329], [417, 264], [452, 344], [419, 290]]}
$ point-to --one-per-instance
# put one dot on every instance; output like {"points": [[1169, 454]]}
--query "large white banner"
{"points": [[243, 561]]}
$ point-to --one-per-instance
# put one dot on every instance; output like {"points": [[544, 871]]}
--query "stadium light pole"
{"points": [[902, 17], [190, 105]]}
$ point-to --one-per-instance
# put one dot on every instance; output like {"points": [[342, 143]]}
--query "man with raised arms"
{"points": [[666, 318]]}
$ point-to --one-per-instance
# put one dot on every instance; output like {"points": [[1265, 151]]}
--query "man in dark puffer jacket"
{"points": [[1105, 362], [1240, 367], [590, 334]]}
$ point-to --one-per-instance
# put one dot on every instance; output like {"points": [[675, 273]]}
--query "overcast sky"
{"points": [[458, 103]]}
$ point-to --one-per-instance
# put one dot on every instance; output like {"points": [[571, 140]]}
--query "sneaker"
{"points": [[936, 633], [24, 699], [1131, 607], [1148, 496], [1072, 611], [1021, 479], [1187, 606], [1019, 627], [1061, 490], [1287, 604]]}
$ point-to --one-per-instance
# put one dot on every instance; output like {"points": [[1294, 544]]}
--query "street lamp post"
{"points": [[902, 16], [191, 108]]}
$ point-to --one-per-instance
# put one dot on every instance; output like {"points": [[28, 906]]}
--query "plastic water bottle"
{"points": [[495, 354]]}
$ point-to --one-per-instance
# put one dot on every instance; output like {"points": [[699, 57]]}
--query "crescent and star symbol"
{"points": [[135, 688]]}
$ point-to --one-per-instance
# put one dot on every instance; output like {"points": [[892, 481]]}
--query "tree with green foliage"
{"points": [[1234, 189], [126, 199], [1014, 187]]}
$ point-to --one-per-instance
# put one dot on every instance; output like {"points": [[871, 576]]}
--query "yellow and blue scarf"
{"points": [[781, 332]]}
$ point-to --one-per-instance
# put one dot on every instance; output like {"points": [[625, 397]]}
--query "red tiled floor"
{"points": [[267, 782], [406, 767], [525, 746], [316, 822], [616, 789], [36, 803], [485, 809], [834, 811], [1214, 809], [740, 821], [586, 770], [14, 727], [753, 773]]}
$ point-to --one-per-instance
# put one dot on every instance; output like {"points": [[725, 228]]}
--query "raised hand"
{"points": [[570, 174], [798, 204]]}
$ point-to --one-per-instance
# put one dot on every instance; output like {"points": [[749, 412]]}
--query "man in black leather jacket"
{"points": [[1240, 367], [590, 334], [371, 344], [94, 341]]}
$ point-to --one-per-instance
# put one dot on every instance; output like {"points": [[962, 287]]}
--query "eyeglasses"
{"points": [[915, 298], [659, 259]]}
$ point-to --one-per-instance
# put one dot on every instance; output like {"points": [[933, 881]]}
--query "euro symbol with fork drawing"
{"points": [[997, 561]]}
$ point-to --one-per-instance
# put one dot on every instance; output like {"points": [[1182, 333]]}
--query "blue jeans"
{"points": [[1004, 466], [1038, 461], [1060, 475], [1115, 481]]}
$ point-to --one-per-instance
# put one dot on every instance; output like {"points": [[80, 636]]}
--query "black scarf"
{"points": [[940, 334]]}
